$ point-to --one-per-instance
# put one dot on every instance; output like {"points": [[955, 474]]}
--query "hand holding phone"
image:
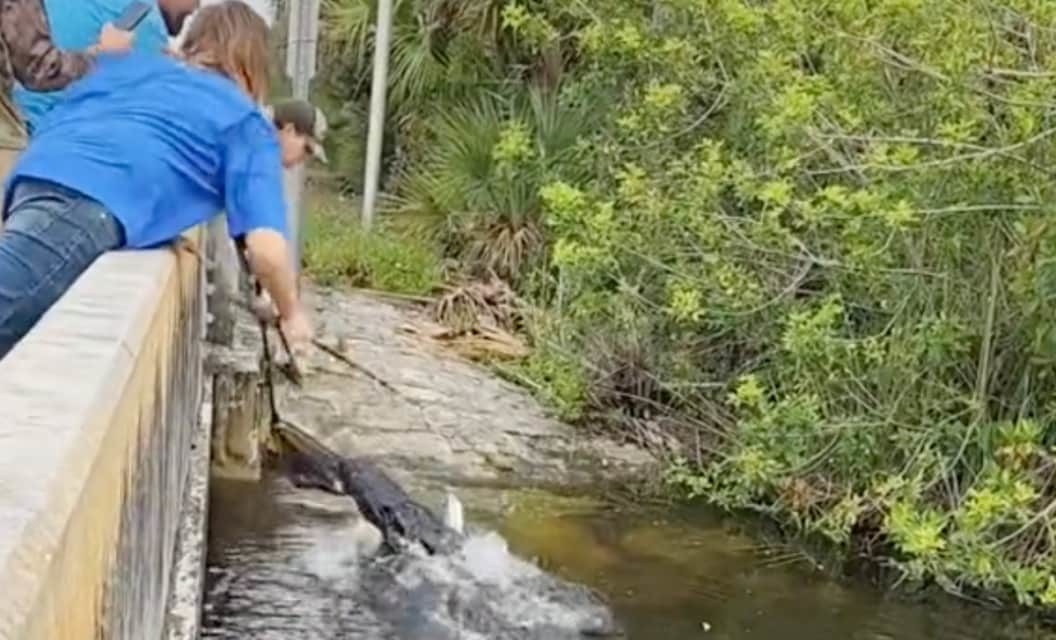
{"points": [[112, 39]]}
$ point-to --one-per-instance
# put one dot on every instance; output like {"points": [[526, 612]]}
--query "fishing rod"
{"points": [[355, 365], [296, 373], [321, 459], [297, 437], [312, 464]]}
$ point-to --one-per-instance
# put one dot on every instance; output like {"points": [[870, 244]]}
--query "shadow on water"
{"points": [[285, 564]]}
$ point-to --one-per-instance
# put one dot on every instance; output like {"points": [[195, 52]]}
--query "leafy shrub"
{"points": [[482, 174], [841, 212], [819, 234]]}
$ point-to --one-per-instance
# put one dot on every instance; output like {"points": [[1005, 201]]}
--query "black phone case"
{"points": [[132, 16]]}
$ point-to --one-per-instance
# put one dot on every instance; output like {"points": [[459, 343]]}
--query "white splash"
{"points": [[446, 596], [487, 558], [334, 555], [454, 513]]}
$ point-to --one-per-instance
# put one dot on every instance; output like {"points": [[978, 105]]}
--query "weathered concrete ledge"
{"points": [[238, 411], [183, 617], [100, 404], [438, 415], [233, 365]]}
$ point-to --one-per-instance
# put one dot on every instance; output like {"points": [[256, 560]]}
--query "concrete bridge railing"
{"points": [[100, 445]]}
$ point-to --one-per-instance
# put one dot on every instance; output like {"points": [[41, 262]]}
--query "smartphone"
{"points": [[132, 15]]}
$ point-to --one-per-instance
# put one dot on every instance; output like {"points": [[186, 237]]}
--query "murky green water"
{"points": [[669, 576]]}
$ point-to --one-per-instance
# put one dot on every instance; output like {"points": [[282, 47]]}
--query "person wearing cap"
{"points": [[301, 127]]}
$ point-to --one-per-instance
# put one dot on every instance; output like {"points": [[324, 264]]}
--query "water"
{"points": [[313, 552], [286, 565]]}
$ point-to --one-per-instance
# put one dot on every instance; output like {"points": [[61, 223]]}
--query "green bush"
{"points": [[840, 212], [812, 240], [337, 251]]}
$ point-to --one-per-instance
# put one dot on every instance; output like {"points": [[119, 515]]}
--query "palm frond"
{"points": [[348, 25], [414, 70]]}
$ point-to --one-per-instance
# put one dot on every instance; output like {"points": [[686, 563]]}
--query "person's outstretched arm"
{"points": [[35, 60], [256, 211], [269, 259]]}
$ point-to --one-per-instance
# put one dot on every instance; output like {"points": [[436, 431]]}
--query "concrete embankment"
{"points": [[100, 414], [436, 414]]}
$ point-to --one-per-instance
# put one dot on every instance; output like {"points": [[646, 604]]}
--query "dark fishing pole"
{"points": [[311, 464]]}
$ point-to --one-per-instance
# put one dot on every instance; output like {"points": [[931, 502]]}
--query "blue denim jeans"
{"points": [[51, 235]]}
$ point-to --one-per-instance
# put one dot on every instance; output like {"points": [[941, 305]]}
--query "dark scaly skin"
{"points": [[387, 506], [380, 500]]}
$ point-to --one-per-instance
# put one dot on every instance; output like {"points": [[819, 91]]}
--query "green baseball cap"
{"points": [[307, 119]]}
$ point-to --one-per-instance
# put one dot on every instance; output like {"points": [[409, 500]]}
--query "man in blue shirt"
{"points": [[143, 148], [160, 143], [75, 24]]}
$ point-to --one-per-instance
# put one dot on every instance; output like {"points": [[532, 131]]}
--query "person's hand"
{"points": [[264, 308], [113, 39], [298, 331]]}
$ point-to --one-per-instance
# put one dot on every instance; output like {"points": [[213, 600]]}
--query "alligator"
{"points": [[424, 585], [402, 521], [428, 582]]}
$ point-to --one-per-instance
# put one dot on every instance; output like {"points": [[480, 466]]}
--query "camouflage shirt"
{"points": [[27, 52]]}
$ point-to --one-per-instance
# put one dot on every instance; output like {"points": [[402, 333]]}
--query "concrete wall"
{"points": [[98, 409]]}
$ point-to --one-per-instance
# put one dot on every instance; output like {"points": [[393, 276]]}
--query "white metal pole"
{"points": [[301, 47], [376, 131]]}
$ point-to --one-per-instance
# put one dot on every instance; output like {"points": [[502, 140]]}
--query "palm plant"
{"points": [[426, 34], [476, 131], [440, 51], [478, 182]]}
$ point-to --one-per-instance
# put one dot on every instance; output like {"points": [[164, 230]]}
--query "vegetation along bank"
{"points": [[804, 249]]}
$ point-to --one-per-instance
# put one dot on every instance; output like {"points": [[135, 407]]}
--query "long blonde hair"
{"points": [[231, 38]]}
